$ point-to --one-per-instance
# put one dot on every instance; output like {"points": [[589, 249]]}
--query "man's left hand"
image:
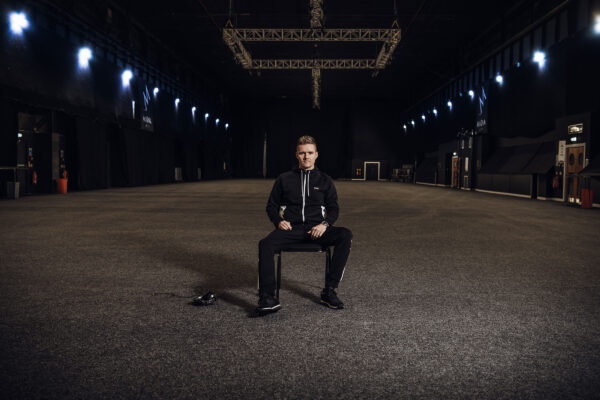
{"points": [[317, 231]]}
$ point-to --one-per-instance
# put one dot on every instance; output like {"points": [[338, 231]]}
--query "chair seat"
{"points": [[303, 247]]}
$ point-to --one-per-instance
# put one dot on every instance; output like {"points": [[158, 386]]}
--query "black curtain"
{"points": [[91, 161]]}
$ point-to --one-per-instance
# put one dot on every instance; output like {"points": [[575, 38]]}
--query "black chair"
{"points": [[303, 248]]}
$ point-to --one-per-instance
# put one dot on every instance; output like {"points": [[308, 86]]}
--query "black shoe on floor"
{"points": [[267, 304], [330, 299]]}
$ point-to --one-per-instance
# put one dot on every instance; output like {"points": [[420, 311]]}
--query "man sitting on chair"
{"points": [[310, 208]]}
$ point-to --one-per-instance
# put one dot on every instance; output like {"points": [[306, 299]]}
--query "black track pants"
{"points": [[339, 237]]}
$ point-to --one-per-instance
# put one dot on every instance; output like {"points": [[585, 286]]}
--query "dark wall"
{"points": [[107, 143], [344, 130]]}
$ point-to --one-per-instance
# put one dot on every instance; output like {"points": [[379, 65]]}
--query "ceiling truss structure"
{"points": [[234, 39]]}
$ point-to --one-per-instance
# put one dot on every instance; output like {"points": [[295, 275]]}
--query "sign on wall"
{"points": [[562, 147]]}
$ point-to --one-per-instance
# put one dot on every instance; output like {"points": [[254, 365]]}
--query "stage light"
{"points": [[83, 57], [226, 126], [18, 22], [449, 104], [217, 122], [423, 117], [499, 79], [177, 102], [540, 58], [155, 91], [206, 116], [518, 64], [412, 122], [194, 111], [471, 94], [19, 135], [126, 77], [435, 111], [597, 25], [405, 127]]}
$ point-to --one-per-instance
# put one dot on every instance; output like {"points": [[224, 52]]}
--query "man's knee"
{"points": [[264, 244], [345, 235]]}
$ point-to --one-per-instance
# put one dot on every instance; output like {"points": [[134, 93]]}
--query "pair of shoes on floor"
{"points": [[267, 303], [330, 299]]}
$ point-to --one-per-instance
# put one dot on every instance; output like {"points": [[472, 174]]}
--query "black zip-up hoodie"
{"points": [[308, 197]]}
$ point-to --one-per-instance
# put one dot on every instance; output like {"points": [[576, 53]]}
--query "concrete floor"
{"points": [[449, 294]]}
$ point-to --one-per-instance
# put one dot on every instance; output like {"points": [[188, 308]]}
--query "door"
{"points": [[372, 172], [575, 161], [455, 172]]}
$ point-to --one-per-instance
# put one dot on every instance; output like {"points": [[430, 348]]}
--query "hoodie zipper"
{"points": [[305, 182]]}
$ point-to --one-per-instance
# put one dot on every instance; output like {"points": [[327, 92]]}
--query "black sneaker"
{"points": [[330, 299], [267, 304]]}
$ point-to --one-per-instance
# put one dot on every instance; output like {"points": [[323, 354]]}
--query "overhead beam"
{"points": [[314, 35], [317, 63]]}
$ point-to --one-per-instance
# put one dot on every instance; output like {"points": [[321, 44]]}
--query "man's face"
{"points": [[307, 155]]}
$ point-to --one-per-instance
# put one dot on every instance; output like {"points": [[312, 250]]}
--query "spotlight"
{"points": [[412, 122], [83, 57], [226, 126], [423, 117], [217, 121], [177, 102], [155, 91], [449, 104], [435, 111], [499, 79], [206, 116], [540, 58], [194, 110], [19, 135], [18, 22], [597, 25], [405, 127], [126, 77], [518, 64], [471, 94]]}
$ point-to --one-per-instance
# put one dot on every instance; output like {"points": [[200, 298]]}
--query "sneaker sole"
{"points": [[266, 310], [330, 306]]}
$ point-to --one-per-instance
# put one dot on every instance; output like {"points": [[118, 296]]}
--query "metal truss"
{"points": [[314, 35], [316, 14], [318, 63], [234, 39], [316, 88]]}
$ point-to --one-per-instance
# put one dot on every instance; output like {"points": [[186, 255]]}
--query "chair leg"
{"points": [[278, 274], [327, 264]]}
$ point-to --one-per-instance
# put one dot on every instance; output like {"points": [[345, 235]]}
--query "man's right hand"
{"points": [[284, 226]]}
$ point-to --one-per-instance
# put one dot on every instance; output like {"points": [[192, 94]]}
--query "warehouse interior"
{"points": [[139, 142]]}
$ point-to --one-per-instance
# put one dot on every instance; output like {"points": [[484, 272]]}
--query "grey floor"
{"points": [[449, 294]]}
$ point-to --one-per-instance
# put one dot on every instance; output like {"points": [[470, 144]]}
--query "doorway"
{"points": [[575, 163], [372, 170], [455, 172]]}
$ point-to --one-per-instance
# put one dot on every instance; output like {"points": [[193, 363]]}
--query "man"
{"points": [[308, 199]]}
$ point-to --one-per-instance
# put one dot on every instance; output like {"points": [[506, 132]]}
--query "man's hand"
{"points": [[284, 226], [317, 231]]}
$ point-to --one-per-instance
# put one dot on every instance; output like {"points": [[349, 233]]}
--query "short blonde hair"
{"points": [[306, 140]]}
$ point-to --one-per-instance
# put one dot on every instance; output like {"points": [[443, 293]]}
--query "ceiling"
{"points": [[440, 39]]}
